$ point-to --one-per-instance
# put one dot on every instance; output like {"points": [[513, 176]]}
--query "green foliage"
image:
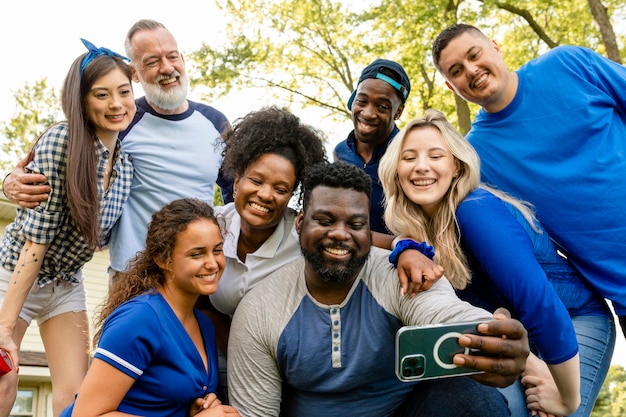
{"points": [[37, 107], [611, 401], [218, 200], [307, 51], [311, 52]]}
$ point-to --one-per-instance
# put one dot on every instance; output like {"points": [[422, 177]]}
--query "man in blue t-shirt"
{"points": [[552, 133]]}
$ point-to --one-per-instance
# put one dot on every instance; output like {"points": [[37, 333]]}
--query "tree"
{"points": [[524, 30], [311, 52], [289, 46], [601, 16], [611, 401], [37, 107], [414, 26]]}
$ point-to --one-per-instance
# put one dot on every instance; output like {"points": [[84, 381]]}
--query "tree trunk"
{"points": [[601, 17], [462, 108], [463, 113]]}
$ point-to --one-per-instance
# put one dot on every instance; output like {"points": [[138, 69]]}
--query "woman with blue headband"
{"points": [[44, 250]]}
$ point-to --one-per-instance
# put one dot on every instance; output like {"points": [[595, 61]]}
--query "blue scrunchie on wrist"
{"points": [[405, 244]]}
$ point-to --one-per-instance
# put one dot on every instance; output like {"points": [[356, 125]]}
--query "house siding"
{"points": [[96, 281]]}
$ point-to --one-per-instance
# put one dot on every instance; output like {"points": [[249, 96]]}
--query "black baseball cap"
{"points": [[381, 69]]}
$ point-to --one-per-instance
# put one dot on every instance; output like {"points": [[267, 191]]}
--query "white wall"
{"points": [[96, 284]]}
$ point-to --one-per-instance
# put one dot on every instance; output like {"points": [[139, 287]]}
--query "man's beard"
{"points": [[329, 271], [166, 99]]}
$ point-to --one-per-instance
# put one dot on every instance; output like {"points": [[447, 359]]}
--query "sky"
{"points": [[41, 38]]}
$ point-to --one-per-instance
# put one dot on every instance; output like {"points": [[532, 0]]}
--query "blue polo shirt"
{"points": [[144, 339], [346, 151]]}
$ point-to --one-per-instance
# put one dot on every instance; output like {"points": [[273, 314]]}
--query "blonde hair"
{"points": [[407, 219]]}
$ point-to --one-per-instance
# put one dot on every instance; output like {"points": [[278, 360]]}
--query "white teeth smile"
{"points": [[479, 80], [337, 251], [260, 208], [207, 277], [423, 183], [167, 81], [366, 126]]}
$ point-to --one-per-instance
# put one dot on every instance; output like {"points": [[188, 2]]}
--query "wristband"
{"points": [[405, 244]]}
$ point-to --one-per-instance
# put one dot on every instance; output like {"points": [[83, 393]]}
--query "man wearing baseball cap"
{"points": [[376, 104]]}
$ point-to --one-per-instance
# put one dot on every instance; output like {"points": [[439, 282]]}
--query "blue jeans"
{"points": [[453, 397], [516, 399], [596, 340]]}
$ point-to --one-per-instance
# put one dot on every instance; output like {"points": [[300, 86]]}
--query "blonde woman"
{"points": [[495, 253]]}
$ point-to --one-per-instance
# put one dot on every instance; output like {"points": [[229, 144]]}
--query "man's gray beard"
{"points": [[166, 99]]}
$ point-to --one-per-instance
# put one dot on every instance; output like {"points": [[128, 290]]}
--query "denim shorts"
{"points": [[50, 300]]}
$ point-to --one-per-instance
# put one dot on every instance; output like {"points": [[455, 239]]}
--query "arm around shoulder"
{"points": [[19, 186]]}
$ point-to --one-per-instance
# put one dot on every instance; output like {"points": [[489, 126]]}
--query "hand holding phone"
{"points": [[6, 365], [426, 352]]}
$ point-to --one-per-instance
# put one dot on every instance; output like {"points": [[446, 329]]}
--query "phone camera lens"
{"points": [[413, 367]]}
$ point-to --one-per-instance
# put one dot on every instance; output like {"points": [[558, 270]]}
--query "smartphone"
{"points": [[426, 352], [5, 362]]}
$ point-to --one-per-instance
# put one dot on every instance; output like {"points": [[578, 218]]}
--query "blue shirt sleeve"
{"points": [[500, 245], [607, 75], [124, 344]]}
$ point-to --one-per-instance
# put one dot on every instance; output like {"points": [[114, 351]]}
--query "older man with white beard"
{"points": [[175, 144]]}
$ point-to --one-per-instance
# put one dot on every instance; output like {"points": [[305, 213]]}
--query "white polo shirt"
{"points": [[240, 277]]}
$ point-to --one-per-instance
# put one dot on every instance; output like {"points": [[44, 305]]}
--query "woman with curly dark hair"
{"points": [[156, 354], [267, 152]]}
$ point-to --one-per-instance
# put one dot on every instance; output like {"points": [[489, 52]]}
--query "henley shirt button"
{"points": [[204, 388]]}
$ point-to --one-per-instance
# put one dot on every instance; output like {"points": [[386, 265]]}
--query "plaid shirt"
{"points": [[51, 223]]}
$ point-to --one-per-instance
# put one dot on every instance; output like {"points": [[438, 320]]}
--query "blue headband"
{"points": [[94, 53], [394, 84]]}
